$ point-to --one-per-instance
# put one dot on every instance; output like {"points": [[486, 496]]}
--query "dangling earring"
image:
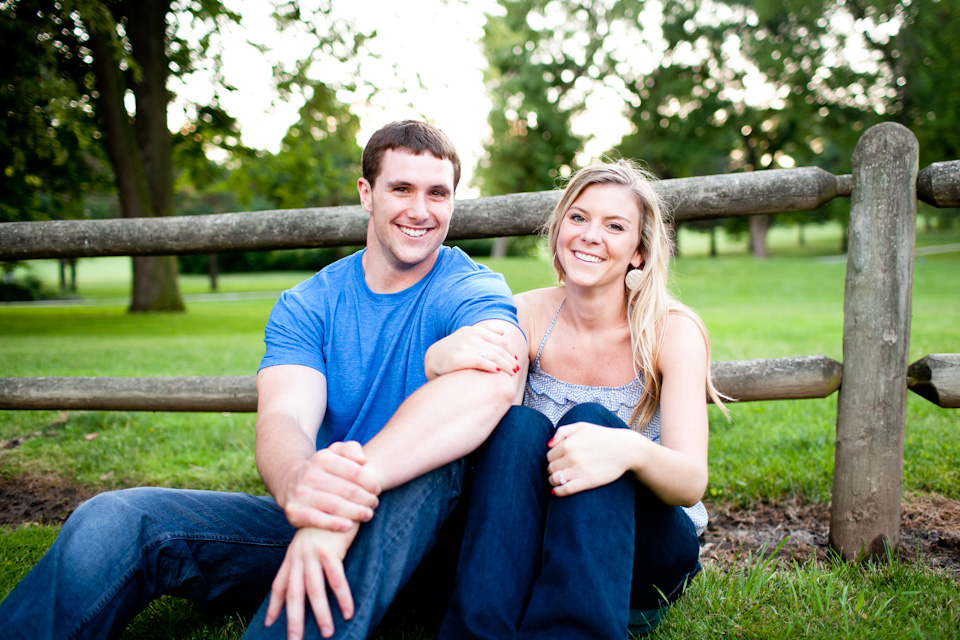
{"points": [[633, 277]]}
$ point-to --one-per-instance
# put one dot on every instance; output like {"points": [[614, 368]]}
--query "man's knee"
{"points": [[106, 512]]}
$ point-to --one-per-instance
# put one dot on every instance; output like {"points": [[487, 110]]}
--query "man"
{"points": [[347, 433]]}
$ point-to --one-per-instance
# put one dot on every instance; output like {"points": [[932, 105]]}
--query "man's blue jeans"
{"points": [[536, 566], [122, 549]]}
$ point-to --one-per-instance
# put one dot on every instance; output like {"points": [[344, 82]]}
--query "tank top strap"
{"points": [[547, 333]]}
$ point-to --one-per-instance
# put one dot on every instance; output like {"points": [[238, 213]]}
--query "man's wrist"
{"points": [[288, 483]]}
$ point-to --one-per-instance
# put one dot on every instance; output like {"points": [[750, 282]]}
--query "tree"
{"points": [[115, 58], [531, 141], [779, 93], [917, 59], [738, 85], [317, 165], [49, 157]]}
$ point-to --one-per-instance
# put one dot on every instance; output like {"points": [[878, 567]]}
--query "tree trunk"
{"points": [[758, 236], [713, 241], [212, 271], [139, 151], [499, 249]]}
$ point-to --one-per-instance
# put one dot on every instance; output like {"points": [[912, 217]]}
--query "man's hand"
{"points": [[331, 490], [314, 560]]}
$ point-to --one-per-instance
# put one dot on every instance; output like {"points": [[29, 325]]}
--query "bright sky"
{"points": [[439, 41]]}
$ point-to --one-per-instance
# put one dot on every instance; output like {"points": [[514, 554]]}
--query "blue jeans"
{"points": [[536, 566], [122, 549], [384, 555]]}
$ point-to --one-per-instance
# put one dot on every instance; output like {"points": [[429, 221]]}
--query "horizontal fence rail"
{"points": [[939, 184], [80, 393], [936, 377], [776, 379], [702, 198]]}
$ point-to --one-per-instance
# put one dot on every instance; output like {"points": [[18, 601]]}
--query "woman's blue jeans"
{"points": [[122, 549], [536, 566]]}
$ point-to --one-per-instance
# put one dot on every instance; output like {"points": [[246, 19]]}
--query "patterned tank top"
{"points": [[553, 398]]}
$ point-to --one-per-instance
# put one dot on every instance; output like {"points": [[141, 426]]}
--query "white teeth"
{"points": [[586, 257], [413, 233]]}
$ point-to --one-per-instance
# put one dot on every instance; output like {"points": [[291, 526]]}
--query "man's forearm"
{"points": [[442, 421], [280, 449]]}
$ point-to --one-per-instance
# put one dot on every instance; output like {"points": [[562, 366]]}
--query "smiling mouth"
{"points": [[586, 257], [413, 233]]}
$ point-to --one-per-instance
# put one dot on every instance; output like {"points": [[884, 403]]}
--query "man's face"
{"points": [[410, 206]]}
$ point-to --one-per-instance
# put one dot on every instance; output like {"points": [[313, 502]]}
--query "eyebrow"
{"points": [[406, 183], [615, 216]]}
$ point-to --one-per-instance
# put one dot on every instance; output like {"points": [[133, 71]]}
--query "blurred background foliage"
{"points": [[707, 87]]}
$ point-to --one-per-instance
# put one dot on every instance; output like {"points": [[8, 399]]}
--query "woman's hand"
{"points": [[314, 560], [583, 456], [473, 347]]}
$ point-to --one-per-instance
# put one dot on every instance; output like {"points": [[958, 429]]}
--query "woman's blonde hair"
{"points": [[650, 303]]}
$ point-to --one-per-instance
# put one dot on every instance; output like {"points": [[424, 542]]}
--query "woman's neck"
{"points": [[592, 309]]}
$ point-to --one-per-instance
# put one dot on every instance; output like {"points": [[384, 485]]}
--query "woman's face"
{"points": [[599, 236]]}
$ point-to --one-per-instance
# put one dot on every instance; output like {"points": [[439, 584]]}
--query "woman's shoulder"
{"points": [[539, 300], [535, 309], [684, 338]]}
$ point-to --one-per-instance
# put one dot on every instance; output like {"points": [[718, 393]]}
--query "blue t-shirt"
{"points": [[370, 346]]}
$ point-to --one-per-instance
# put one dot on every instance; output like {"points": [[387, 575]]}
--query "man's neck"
{"points": [[383, 276]]}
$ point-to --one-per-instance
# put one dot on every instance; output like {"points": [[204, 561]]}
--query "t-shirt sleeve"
{"points": [[477, 296], [294, 334]]}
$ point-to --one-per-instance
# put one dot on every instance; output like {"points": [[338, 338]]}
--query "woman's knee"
{"points": [[594, 413], [523, 427]]}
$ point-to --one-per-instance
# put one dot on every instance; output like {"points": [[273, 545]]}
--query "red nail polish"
{"points": [[550, 443], [516, 358], [498, 369], [553, 491]]}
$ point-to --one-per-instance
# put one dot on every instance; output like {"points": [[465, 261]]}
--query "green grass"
{"points": [[789, 305], [765, 599]]}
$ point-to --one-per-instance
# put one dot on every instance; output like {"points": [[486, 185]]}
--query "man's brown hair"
{"points": [[408, 135]]}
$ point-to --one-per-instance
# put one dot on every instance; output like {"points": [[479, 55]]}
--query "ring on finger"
{"points": [[562, 480]]}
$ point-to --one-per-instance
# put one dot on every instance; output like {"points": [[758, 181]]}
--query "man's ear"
{"points": [[366, 194]]}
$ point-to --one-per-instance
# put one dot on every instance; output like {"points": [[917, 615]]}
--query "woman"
{"points": [[590, 527]]}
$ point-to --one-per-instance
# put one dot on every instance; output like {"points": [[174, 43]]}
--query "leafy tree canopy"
{"points": [[104, 67]]}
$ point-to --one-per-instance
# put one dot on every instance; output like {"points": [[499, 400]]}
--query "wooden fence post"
{"points": [[868, 472]]}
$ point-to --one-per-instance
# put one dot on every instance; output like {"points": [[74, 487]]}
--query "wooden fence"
{"points": [[884, 187]]}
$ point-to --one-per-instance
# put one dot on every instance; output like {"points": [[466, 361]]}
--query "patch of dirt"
{"points": [[929, 525], [929, 530], [35, 499]]}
